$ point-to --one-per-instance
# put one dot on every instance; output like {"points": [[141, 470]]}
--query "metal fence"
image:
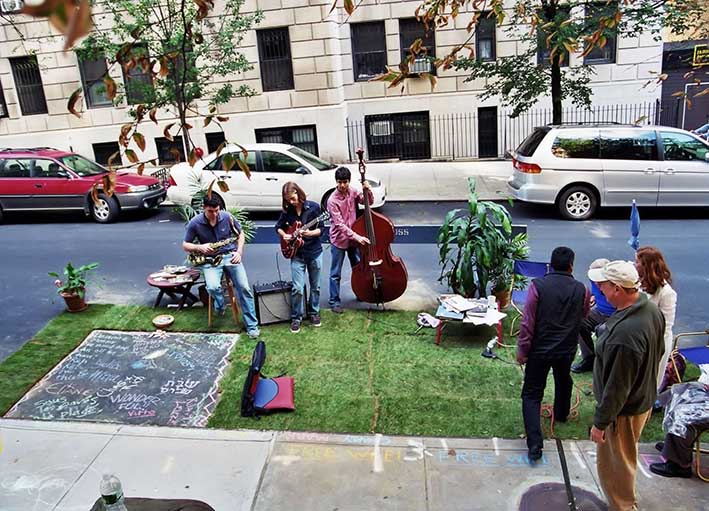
{"points": [[482, 135]]}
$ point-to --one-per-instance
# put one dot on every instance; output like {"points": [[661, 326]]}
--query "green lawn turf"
{"points": [[360, 372]]}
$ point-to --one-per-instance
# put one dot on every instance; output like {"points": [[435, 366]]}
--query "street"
{"points": [[141, 243]]}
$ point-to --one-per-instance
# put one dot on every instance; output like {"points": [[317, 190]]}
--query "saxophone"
{"points": [[197, 259]]}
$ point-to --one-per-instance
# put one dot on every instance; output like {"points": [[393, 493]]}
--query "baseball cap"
{"points": [[599, 263], [622, 273]]}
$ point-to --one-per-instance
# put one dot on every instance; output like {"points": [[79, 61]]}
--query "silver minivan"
{"points": [[582, 167]]}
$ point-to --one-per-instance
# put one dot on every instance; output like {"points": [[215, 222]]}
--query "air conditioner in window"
{"points": [[8, 6], [421, 65]]}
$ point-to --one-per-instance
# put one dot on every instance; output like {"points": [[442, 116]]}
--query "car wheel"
{"points": [[323, 202], [577, 203], [105, 210]]}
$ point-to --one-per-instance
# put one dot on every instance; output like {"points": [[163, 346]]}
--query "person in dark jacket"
{"points": [[628, 354], [308, 258], [600, 311], [548, 339]]}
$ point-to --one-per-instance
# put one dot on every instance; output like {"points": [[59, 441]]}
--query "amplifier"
{"points": [[273, 301]]}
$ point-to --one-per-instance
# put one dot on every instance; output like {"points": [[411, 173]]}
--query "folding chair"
{"points": [[529, 269]]}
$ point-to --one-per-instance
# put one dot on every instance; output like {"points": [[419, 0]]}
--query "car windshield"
{"points": [[82, 166], [312, 159]]}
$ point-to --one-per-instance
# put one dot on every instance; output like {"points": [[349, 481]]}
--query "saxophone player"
{"points": [[214, 226]]}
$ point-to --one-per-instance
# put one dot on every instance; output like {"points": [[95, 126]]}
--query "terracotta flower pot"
{"points": [[74, 301], [503, 298]]}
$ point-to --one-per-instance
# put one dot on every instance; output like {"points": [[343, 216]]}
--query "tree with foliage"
{"points": [[173, 54], [552, 29]]}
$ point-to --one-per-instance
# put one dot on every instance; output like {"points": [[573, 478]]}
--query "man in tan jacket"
{"points": [[624, 380]]}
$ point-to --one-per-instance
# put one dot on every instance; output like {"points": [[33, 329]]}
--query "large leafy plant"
{"points": [[476, 246], [74, 281]]}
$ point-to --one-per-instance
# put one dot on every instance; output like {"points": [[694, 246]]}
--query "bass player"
{"points": [[213, 226], [309, 257]]}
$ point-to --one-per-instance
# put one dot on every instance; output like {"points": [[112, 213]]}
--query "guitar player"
{"points": [[296, 208]]}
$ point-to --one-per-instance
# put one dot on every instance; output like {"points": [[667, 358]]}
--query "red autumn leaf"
{"points": [[73, 100], [139, 140], [132, 157], [223, 186], [166, 132], [110, 87]]}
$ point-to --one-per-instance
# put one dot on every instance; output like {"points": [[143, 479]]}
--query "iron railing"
{"points": [[471, 135]]}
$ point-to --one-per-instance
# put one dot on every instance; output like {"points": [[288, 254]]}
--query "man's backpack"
{"points": [[265, 395]]}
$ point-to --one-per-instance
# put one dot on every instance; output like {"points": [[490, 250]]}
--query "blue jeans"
{"points": [[237, 274], [298, 266], [337, 256]]}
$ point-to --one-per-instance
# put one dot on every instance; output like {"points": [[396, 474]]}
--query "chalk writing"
{"points": [[180, 386], [366, 440], [133, 378], [484, 458]]}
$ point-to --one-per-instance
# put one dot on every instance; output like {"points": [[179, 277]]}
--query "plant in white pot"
{"points": [[73, 286]]}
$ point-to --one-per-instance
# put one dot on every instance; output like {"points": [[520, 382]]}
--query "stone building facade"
{"points": [[330, 58]]}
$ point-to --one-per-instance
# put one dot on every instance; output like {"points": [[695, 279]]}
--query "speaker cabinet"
{"points": [[273, 302]]}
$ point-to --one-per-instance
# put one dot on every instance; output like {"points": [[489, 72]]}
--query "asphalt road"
{"points": [[141, 243]]}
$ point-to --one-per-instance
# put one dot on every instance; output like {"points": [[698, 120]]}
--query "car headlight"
{"points": [[138, 188]]}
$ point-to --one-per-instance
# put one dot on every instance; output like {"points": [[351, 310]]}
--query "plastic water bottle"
{"points": [[112, 493]]}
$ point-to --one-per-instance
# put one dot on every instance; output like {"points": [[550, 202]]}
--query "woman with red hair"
{"points": [[655, 280]]}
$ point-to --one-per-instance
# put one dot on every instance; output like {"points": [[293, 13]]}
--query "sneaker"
{"points": [[660, 445], [337, 309], [219, 312], [584, 366], [295, 326], [315, 320], [534, 454], [253, 333], [670, 469]]}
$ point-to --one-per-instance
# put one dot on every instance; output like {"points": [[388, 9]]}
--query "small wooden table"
{"points": [[178, 288]]}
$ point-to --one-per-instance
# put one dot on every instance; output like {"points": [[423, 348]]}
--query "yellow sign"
{"points": [[701, 55]]}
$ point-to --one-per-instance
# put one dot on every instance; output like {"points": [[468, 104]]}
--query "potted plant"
{"points": [[502, 272], [73, 287], [476, 247]]}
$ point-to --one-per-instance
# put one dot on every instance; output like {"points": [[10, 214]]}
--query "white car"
{"points": [[271, 166]]}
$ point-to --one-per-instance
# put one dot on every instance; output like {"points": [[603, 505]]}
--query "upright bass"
{"points": [[380, 276]]}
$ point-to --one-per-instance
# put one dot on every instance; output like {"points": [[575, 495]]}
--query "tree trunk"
{"points": [[181, 107], [556, 89]]}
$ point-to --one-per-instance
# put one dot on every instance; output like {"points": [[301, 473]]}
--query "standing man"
{"points": [[628, 354], [548, 339], [600, 311], [342, 206], [212, 226], [309, 257]]}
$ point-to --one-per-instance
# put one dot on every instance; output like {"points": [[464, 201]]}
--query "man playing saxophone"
{"points": [[215, 233]]}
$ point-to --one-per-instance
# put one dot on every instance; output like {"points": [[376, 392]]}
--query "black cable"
{"points": [[565, 472]]}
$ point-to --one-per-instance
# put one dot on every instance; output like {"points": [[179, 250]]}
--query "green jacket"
{"points": [[628, 354]]}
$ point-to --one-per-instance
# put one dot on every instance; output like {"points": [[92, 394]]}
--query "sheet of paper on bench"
{"points": [[491, 318], [444, 313], [461, 304]]}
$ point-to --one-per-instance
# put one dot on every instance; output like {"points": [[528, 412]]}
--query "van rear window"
{"points": [[531, 143]]}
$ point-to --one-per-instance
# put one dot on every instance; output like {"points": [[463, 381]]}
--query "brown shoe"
{"points": [[315, 320], [295, 326], [337, 309]]}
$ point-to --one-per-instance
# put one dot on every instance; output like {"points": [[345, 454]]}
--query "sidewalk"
{"points": [[57, 466], [440, 181]]}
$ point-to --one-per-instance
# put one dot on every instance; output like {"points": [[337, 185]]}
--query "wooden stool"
{"points": [[229, 288]]}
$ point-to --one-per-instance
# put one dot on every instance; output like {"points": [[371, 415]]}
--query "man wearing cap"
{"points": [[628, 354], [600, 311], [548, 340]]}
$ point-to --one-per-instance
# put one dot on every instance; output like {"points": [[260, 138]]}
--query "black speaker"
{"points": [[273, 302]]}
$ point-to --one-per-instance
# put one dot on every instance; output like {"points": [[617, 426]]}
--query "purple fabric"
{"points": [[529, 318]]}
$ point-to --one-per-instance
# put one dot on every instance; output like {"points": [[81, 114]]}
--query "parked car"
{"points": [[271, 166], [702, 131], [45, 179], [583, 167]]}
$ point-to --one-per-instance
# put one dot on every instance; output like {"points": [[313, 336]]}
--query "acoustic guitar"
{"points": [[290, 248]]}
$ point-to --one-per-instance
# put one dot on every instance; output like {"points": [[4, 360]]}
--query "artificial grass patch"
{"points": [[361, 372]]}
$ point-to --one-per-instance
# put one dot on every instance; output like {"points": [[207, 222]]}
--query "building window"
{"points": [[92, 75], [409, 31], [544, 51], [103, 152], [405, 136], [485, 38], [170, 152], [369, 50], [304, 137], [29, 85], [10, 6], [274, 57], [139, 82], [214, 140], [605, 55], [3, 105]]}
